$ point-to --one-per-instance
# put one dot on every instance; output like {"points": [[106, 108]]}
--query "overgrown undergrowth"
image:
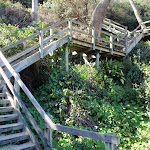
{"points": [[113, 99]]}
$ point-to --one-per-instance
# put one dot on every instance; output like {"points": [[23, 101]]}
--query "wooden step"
{"points": [[25, 146], [2, 94], [6, 109], [8, 117], [13, 138], [4, 101], [9, 127]]}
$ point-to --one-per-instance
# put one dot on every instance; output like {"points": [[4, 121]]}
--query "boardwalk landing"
{"points": [[115, 41]]}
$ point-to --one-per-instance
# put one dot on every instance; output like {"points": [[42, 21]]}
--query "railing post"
{"points": [[66, 58], [41, 43], [109, 25], [111, 43], [126, 43], [17, 89], [24, 45], [110, 146], [51, 33], [93, 38], [135, 37], [48, 134], [70, 28], [97, 60]]}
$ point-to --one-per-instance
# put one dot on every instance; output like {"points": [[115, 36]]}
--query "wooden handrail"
{"points": [[55, 25], [146, 22], [116, 23], [24, 108], [27, 92], [54, 36], [18, 42], [108, 138]]}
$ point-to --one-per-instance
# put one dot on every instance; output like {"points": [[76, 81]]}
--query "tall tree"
{"points": [[35, 10], [137, 14], [99, 15]]}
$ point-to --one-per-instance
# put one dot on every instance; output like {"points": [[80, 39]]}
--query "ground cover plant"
{"points": [[113, 98]]}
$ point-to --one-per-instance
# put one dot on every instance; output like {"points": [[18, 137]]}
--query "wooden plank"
{"points": [[56, 45], [82, 32], [20, 54], [5, 101], [55, 25], [9, 127], [54, 36], [8, 117], [18, 42], [116, 26], [6, 139], [2, 95], [25, 146], [89, 134], [119, 53], [115, 23], [134, 43], [35, 57], [79, 23], [6, 109]]}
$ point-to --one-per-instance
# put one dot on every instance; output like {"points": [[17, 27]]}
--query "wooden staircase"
{"points": [[14, 134]]}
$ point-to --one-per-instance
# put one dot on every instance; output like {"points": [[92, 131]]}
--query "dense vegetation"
{"points": [[113, 98]]}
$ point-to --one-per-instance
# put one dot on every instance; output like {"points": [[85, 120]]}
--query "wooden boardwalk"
{"points": [[115, 41]]}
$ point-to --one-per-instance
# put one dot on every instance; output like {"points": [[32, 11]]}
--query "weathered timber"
{"points": [[36, 56], [8, 117], [25, 146], [134, 43], [6, 139], [6, 109], [18, 42], [24, 108], [109, 138], [9, 127]]}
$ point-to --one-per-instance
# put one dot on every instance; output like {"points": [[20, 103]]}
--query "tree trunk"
{"points": [[35, 10], [99, 15], [137, 14]]}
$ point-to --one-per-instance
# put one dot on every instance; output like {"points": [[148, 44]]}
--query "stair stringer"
{"points": [[134, 43], [26, 128]]}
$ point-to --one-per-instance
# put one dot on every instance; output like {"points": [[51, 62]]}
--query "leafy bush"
{"points": [[11, 34], [83, 98], [14, 14]]}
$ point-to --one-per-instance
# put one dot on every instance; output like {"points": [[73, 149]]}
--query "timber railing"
{"points": [[114, 27], [90, 34], [41, 41], [67, 30], [111, 140], [133, 36]]}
